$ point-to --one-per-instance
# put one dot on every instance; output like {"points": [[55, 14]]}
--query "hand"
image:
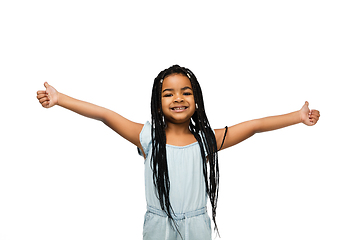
{"points": [[309, 117], [49, 97]]}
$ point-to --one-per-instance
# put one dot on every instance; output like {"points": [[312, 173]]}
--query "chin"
{"points": [[178, 120]]}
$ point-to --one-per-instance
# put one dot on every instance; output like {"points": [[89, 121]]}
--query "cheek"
{"points": [[192, 101], [192, 104], [164, 103]]}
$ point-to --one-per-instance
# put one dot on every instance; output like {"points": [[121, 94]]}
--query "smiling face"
{"points": [[177, 98]]}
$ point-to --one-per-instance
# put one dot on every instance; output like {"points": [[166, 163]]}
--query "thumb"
{"points": [[306, 106], [46, 84]]}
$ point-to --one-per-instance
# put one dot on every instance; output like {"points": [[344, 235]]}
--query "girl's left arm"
{"points": [[244, 130]]}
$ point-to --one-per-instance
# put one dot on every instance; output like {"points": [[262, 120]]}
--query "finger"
{"points": [[317, 115], [39, 96], [314, 116], [45, 99], [46, 84], [315, 112], [306, 106], [45, 104], [312, 122], [41, 92]]}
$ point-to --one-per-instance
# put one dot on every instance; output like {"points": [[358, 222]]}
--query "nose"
{"points": [[178, 98]]}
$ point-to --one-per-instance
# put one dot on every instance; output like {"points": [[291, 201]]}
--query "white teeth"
{"points": [[179, 108]]}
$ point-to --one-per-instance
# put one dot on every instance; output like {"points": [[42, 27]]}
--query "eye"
{"points": [[167, 95], [188, 93]]}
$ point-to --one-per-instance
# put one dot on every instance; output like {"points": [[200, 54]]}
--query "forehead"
{"points": [[176, 81]]}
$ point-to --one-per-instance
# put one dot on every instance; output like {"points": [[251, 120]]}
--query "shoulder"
{"points": [[145, 139]]}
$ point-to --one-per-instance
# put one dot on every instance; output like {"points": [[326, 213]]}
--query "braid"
{"points": [[159, 162], [202, 125], [199, 127]]}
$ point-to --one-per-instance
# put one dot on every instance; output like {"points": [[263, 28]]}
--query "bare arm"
{"points": [[242, 131], [126, 128], [81, 107]]}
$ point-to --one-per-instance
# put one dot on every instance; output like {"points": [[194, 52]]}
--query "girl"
{"points": [[180, 150]]}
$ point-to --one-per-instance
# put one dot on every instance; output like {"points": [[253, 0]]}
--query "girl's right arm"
{"points": [[126, 128]]}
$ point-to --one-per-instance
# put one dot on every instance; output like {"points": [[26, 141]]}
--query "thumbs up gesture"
{"points": [[309, 117], [49, 97]]}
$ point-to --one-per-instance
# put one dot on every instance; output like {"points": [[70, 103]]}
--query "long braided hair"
{"points": [[199, 127]]}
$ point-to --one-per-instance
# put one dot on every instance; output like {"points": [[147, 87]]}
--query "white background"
{"points": [[63, 176]]}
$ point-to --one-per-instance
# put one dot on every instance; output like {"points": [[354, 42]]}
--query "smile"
{"points": [[179, 109]]}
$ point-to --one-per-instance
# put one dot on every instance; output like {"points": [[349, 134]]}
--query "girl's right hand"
{"points": [[49, 97]]}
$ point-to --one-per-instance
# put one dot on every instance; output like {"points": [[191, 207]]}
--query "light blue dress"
{"points": [[188, 196]]}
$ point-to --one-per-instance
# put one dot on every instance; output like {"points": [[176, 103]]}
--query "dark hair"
{"points": [[199, 127]]}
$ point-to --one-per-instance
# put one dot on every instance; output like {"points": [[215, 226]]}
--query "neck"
{"points": [[178, 128]]}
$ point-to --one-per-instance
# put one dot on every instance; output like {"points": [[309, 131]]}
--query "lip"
{"points": [[179, 109]]}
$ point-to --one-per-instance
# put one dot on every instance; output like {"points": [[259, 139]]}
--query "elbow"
{"points": [[104, 116], [255, 126]]}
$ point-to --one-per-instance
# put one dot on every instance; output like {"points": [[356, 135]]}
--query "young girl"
{"points": [[180, 150]]}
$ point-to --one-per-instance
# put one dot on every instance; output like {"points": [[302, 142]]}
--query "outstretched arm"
{"points": [[242, 131], [126, 128]]}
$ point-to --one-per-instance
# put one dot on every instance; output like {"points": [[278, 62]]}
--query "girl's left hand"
{"points": [[309, 117]]}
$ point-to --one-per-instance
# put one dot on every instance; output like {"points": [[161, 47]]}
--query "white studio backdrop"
{"points": [[63, 176]]}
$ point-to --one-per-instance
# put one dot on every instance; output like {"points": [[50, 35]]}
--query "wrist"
{"points": [[299, 117], [60, 98]]}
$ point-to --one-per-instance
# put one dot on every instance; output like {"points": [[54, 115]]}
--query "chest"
{"points": [[180, 141]]}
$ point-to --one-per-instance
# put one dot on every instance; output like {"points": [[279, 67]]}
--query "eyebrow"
{"points": [[171, 89]]}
